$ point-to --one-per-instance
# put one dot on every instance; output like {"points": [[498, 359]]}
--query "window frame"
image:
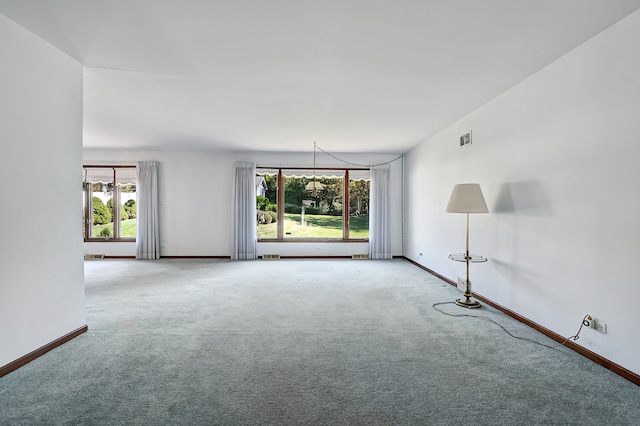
{"points": [[88, 207], [345, 209]]}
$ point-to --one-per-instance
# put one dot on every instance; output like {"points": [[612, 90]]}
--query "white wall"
{"points": [[42, 283], [195, 201], [557, 160]]}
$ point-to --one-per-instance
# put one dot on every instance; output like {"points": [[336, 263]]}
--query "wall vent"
{"points": [[465, 139], [359, 256], [93, 256], [271, 256]]}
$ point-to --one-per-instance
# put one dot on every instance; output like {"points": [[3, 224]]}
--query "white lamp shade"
{"points": [[467, 198]]}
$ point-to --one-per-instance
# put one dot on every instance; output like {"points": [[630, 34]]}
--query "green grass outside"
{"points": [[317, 226], [127, 229]]}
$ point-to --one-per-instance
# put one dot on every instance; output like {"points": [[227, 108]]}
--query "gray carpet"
{"points": [[325, 342]]}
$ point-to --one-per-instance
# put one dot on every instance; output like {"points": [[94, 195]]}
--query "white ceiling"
{"points": [[277, 75]]}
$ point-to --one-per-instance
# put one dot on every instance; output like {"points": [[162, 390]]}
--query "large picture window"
{"points": [[308, 204], [109, 203]]}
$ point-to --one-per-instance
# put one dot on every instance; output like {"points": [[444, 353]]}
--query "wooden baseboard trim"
{"points": [[314, 257], [171, 257], [598, 359], [327, 257], [195, 257], [12, 366], [229, 257]]}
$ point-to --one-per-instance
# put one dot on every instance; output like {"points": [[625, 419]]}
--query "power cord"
{"points": [[585, 321]]}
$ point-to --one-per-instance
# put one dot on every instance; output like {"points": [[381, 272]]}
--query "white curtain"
{"points": [[245, 234], [147, 238], [379, 224]]}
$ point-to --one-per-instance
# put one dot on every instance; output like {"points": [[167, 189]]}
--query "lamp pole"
{"points": [[467, 302]]}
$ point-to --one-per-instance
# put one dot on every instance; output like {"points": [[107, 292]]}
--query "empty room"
{"points": [[343, 212]]}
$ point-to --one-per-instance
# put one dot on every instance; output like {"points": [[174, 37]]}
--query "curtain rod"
{"points": [[311, 168], [102, 166]]}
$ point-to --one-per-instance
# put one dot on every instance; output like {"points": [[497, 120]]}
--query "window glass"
{"points": [[267, 204], [313, 206], [359, 208], [128, 210], [102, 204]]}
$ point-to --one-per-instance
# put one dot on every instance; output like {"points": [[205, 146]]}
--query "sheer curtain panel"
{"points": [[147, 238], [245, 234], [379, 224]]}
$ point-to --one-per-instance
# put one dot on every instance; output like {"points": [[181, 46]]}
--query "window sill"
{"points": [[109, 240], [312, 240]]}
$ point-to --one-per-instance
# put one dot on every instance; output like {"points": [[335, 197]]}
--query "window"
{"points": [[359, 187], [308, 204], [267, 203], [109, 203]]}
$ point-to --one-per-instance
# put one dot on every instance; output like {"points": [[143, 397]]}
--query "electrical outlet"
{"points": [[462, 284], [598, 325]]}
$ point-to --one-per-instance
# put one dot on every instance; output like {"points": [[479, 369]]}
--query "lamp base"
{"points": [[468, 303]]}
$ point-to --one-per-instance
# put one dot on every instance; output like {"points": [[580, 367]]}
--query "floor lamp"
{"points": [[467, 198]]}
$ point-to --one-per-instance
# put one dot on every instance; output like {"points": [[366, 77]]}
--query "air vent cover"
{"points": [[93, 256]]}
